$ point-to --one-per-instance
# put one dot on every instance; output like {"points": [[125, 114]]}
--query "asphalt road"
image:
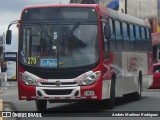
{"points": [[149, 102]]}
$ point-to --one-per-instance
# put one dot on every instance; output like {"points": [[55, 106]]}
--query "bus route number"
{"points": [[32, 60]]}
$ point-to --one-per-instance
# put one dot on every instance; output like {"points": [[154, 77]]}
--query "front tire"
{"points": [[41, 105]]}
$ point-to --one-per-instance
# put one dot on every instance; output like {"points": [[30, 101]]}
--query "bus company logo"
{"points": [[41, 80], [58, 83], [132, 64]]}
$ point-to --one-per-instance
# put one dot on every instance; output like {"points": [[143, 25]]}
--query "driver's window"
{"points": [[105, 42]]}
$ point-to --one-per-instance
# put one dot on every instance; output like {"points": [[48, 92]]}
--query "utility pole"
{"points": [[126, 7], [140, 8]]}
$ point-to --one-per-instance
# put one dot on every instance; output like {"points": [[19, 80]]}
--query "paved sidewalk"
{"points": [[4, 106]]}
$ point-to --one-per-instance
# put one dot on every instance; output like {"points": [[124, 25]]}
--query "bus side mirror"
{"points": [[107, 32], [8, 37]]}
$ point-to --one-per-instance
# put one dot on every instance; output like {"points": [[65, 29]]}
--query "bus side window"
{"points": [[148, 33], [119, 39], [143, 40], [138, 38], [148, 40], [112, 40], [142, 33], [125, 36], [132, 37]]}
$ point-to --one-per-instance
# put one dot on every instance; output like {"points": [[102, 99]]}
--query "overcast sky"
{"points": [[10, 10]]}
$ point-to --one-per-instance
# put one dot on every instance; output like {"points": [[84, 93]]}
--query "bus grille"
{"points": [[63, 83], [58, 92]]}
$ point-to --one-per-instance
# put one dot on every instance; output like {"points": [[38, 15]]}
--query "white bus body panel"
{"points": [[127, 66]]}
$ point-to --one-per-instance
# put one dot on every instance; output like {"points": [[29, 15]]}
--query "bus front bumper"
{"points": [[65, 93]]}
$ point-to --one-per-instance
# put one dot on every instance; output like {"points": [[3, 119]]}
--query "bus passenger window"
{"points": [[148, 33], [138, 38], [142, 33], [137, 32], [125, 36], [132, 37], [112, 41], [119, 39], [143, 40], [148, 41]]}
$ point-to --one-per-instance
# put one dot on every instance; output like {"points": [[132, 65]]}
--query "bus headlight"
{"points": [[92, 78], [26, 79]]}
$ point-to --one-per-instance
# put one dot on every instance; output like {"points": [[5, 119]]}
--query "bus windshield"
{"points": [[59, 45]]}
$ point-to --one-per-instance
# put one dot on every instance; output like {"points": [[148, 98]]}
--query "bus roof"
{"points": [[128, 18], [124, 17], [104, 11], [61, 5]]}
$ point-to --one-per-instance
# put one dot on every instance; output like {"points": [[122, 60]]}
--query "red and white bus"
{"points": [[81, 52]]}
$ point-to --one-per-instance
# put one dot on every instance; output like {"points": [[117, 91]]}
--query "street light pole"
{"points": [[140, 8]]}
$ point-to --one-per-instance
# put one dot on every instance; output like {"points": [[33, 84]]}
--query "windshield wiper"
{"points": [[75, 27]]}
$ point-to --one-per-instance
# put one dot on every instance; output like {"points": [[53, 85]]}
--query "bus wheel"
{"points": [[111, 101], [137, 95], [41, 105]]}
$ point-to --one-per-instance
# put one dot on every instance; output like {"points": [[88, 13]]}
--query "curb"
{"points": [[1, 107]]}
